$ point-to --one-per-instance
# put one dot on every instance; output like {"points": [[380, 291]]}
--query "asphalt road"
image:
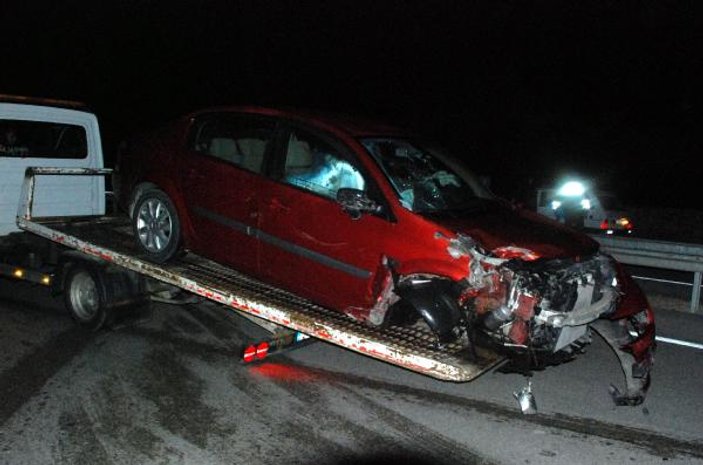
{"points": [[165, 386]]}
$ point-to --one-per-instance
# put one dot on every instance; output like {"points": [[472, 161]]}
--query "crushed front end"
{"points": [[541, 311]]}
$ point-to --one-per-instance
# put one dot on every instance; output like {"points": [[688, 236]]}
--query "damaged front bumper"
{"points": [[534, 311], [541, 312]]}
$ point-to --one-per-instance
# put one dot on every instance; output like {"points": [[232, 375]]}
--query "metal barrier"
{"points": [[659, 254]]}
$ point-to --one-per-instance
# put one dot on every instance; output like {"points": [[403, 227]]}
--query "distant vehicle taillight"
{"points": [[624, 223]]}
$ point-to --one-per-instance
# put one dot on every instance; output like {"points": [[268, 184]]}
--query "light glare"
{"points": [[572, 189]]}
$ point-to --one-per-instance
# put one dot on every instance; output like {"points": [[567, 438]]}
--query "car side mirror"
{"points": [[355, 202]]}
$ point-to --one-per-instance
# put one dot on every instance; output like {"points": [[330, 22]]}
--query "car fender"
{"points": [[454, 269]]}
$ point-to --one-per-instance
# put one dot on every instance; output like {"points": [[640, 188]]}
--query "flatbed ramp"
{"points": [[111, 239]]}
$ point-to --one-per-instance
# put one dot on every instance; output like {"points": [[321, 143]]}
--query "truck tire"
{"points": [[157, 229], [85, 296]]}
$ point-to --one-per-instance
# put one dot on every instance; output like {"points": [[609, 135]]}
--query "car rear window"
{"points": [[40, 139]]}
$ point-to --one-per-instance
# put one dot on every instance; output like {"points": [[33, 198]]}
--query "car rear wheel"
{"points": [[157, 228]]}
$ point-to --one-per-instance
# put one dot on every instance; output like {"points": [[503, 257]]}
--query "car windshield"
{"points": [[426, 180]]}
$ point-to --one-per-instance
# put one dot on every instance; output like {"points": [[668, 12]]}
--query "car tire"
{"points": [[157, 228], [85, 296]]}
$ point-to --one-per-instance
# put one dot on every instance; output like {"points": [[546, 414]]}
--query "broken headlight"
{"points": [[546, 305]]}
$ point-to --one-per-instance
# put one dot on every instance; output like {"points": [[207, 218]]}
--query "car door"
{"points": [[308, 243], [221, 179]]}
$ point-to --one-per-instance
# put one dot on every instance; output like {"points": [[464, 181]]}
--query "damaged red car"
{"points": [[373, 222]]}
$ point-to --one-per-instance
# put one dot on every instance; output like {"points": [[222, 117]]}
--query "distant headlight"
{"points": [[572, 189], [556, 204], [585, 204]]}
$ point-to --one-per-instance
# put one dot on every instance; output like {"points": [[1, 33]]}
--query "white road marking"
{"points": [[679, 342]]}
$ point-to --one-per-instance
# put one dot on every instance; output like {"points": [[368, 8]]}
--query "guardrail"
{"points": [[659, 254]]}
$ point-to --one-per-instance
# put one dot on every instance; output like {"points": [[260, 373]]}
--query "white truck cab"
{"points": [[49, 133]]}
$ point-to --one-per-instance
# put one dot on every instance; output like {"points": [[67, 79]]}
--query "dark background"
{"points": [[523, 91]]}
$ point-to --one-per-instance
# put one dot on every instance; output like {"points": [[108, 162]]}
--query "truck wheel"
{"points": [[157, 228], [85, 297]]}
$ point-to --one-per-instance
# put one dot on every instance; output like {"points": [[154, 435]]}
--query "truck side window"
{"points": [[71, 141]]}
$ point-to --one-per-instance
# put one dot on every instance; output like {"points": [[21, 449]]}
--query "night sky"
{"points": [[522, 91]]}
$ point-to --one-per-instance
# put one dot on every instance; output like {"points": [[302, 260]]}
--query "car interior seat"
{"points": [[299, 158], [252, 153], [225, 149]]}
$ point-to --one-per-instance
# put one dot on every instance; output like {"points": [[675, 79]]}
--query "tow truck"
{"points": [[61, 237], [109, 240], [90, 257]]}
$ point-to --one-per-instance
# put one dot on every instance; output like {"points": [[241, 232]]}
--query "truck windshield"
{"points": [[425, 180]]}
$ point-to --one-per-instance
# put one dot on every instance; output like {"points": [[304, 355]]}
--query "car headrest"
{"points": [[299, 154]]}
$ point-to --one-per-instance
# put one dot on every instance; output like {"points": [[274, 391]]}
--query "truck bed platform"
{"points": [[111, 239]]}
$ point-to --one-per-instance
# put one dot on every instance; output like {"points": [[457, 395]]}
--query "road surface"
{"points": [[165, 386]]}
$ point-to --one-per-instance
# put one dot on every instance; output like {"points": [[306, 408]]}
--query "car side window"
{"points": [[314, 165], [235, 140]]}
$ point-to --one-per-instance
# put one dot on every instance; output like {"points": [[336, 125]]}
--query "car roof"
{"points": [[354, 126]]}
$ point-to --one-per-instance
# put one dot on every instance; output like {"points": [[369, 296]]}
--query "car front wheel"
{"points": [[157, 228]]}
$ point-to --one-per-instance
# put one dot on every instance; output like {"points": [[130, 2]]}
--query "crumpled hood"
{"points": [[501, 226]]}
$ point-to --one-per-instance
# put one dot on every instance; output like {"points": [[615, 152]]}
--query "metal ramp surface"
{"points": [[413, 347]]}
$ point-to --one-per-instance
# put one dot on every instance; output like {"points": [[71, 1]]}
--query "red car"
{"points": [[369, 220]]}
